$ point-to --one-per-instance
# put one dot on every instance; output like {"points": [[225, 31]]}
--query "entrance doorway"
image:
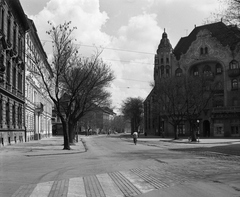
{"points": [[206, 128]]}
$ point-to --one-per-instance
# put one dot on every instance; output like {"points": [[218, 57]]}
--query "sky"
{"points": [[128, 32]]}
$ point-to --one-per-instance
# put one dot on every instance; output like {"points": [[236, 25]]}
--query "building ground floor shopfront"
{"points": [[211, 125]]}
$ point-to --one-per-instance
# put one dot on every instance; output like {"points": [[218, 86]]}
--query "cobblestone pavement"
{"points": [[118, 184]]}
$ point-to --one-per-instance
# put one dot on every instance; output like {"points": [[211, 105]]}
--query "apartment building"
{"points": [[38, 105], [13, 26]]}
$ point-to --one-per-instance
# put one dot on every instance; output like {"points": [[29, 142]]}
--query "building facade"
{"points": [[13, 25], [212, 50], [38, 106]]}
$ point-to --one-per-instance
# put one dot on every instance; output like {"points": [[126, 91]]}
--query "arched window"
{"points": [[201, 50], [161, 60], [206, 50], [234, 84], [167, 71], [167, 60], [207, 70], [195, 71], [162, 71], [233, 65], [178, 72], [218, 68]]}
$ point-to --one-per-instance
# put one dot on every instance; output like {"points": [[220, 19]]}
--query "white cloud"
{"points": [[141, 33], [84, 14]]}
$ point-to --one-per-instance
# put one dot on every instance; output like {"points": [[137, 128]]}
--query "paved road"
{"points": [[114, 167]]}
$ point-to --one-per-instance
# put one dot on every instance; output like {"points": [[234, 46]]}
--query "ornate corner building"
{"points": [[212, 50]]}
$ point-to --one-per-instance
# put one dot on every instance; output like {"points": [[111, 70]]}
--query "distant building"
{"points": [[212, 49], [13, 25], [38, 105]]}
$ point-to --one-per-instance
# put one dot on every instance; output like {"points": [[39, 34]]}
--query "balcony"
{"points": [[234, 72], [38, 107], [230, 109]]}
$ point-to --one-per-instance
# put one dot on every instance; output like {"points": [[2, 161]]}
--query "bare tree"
{"points": [[76, 84], [132, 109], [229, 12], [199, 94], [92, 77], [183, 98], [169, 100]]}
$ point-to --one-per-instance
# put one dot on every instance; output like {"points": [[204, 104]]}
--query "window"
{"points": [[20, 81], [20, 116], [167, 60], [233, 65], [178, 72], [207, 70], [13, 115], [195, 71], [201, 51], [14, 76], [161, 60], [15, 37], [7, 114], [9, 29], [162, 71], [2, 21], [181, 129], [8, 71], [167, 71], [234, 130], [156, 61], [218, 68], [206, 50], [234, 84]]}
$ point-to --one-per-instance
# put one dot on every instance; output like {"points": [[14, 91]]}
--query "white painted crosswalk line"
{"points": [[139, 183], [109, 187], [76, 188], [42, 189]]}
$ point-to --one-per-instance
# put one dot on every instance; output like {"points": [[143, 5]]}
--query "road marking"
{"points": [[109, 187], [76, 188], [42, 189], [142, 185]]}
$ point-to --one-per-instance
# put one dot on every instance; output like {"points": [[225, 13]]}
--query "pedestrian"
{"points": [[135, 136]]}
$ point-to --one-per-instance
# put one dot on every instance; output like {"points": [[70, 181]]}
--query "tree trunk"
{"points": [[193, 131], [175, 132], [71, 132], [66, 145]]}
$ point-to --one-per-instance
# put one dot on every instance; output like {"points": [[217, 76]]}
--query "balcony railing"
{"points": [[230, 109], [234, 72]]}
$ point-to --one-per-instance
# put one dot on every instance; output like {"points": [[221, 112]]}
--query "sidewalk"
{"points": [[156, 139], [46, 146]]}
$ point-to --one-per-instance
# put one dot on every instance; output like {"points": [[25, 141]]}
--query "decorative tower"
{"points": [[162, 63]]}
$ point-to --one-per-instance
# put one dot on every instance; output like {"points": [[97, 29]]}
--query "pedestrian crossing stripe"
{"points": [[76, 187], [118, 184]]}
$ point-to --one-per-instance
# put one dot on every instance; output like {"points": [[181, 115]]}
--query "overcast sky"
{"points": [[128, 30]]}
